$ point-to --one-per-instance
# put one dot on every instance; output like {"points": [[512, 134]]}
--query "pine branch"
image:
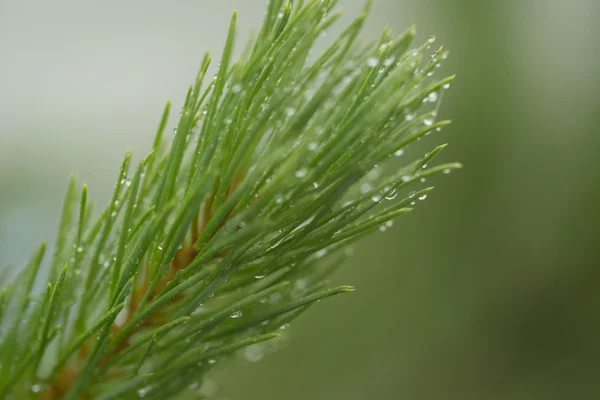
{"points": [[217, 240]]}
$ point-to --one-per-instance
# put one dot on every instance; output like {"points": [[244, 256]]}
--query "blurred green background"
{"points": [[490, 290]]}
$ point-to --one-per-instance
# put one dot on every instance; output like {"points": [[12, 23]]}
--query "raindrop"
{"points": [[392, 195], [236, 88], [422, 180], [389, 224], [406, 178], [259, 276], [389, 61], [36, 388], [376, 198], [446, 86], [301, 173], [423, 197], [447, 171], [290, 112], [284, 326], [312, 146], [253, 353], [212, 361], [428, 121], [265, 322], [399, 152], [275, 298], [382, 228], [321, 253], [237, 314], [365, 187], [432, 97], [410, 116], [301, 285], [372, 62]]}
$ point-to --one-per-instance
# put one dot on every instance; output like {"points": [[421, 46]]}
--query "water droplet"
{"points": [[36, 388], [366, 187], [410, 116], [290, 112], [412, 203], [228, 121], [321, 253], [431, 39], [399, 152], [301, 285], [264, 300], [406, 178], [212, 361], [376, 198], [79, 249], [372, 62], [253, 353], [422, 180], [194, 385], [312, 146], [382, 228], [236, 88], [237, 314], [423, 197], [389, 61], [430, 73], [284, 326], [144, 391], [392, 195], [447, 171], [259, 276], [316, 185], [389, 224], [275, 298], [301, 173], [265, 322], [432, 97]]}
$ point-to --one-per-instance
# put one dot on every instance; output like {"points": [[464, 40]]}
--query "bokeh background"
{"points": [[491, 290]]}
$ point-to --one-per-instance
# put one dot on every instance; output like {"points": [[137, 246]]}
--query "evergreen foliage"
{"points": [[214, 242]]}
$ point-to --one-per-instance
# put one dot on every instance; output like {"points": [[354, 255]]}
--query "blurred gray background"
{"points": [[490, 290]]}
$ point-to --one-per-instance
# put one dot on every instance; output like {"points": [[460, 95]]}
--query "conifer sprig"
{"points": [[214, 242]]}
